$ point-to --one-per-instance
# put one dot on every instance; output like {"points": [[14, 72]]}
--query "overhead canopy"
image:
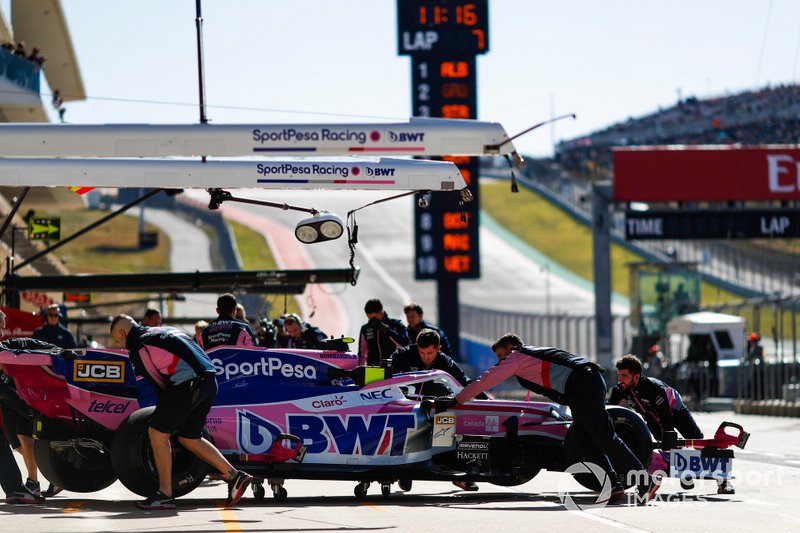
{"points": [[41, 24], [250, 281], [704, 322]]}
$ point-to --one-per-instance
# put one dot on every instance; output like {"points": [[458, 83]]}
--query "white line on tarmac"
{"points": [[607, 521], [389, 280]]}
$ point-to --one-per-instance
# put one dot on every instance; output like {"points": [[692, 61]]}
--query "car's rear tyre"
{"points": [[513, 481], [630, 427], [133, 462], [77, 469]]}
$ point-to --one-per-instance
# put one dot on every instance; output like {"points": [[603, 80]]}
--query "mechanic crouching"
{"points": [[573, 381], [182, 375], [659, 404]]}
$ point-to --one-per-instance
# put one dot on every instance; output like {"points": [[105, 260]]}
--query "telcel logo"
{"points": [[99, 371]]}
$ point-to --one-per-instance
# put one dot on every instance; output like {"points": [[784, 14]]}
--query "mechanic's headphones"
{"points": [[294, 317]]}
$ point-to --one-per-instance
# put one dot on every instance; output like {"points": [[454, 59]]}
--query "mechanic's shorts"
{"points": [[15, 424], [182, 409]]}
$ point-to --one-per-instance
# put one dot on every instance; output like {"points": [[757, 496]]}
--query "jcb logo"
{"points": [[445, 419], [99, 371]]}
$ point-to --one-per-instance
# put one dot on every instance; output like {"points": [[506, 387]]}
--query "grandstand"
{"points": [[770, 115]]}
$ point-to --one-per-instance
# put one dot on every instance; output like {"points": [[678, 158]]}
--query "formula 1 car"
{"points": [[295, 414]]}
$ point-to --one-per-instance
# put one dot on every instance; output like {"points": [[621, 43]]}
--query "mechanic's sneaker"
{"points": [[237, 486], [725, 487], [33, 487], [157, 502], [51, 491], [468, 486], [405, 484], [24, 497], [617, 495], [646, 491]]}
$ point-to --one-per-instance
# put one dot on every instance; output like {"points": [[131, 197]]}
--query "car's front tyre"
{"points": [[133, 461]]}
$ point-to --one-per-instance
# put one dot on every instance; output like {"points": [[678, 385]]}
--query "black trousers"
{"points": [[594, 432], [684, 422], [10, 476]]}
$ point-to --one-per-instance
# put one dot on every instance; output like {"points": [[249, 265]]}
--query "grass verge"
{"points": [[256, 255]]}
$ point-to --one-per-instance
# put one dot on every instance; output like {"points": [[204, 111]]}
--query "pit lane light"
{"points": [[361, 174], [320, 227], [418, 136]]}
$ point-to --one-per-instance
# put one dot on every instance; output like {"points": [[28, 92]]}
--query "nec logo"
{"points": [[380, 171], [376, 394], [406, 137], [99, 371]]}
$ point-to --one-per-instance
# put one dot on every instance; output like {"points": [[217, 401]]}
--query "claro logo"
{"points": [[99, 371], [267, 366]]}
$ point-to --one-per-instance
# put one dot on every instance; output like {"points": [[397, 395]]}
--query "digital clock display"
{"points": [[443, 26]]}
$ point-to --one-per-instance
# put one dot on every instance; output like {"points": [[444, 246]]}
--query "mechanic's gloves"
{"points": [[71, 354]]}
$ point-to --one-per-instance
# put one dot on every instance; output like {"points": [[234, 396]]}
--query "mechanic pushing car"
{"points": [[226, 330], [573, 381], [659, 404], [184, 378]]}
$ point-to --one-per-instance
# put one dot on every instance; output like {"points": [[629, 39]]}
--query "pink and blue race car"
{"points": [[295, 414]]}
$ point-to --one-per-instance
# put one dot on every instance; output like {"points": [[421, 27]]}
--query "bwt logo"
{"points": [[99, 371], [253, 433], [380, 171], [417, 136]]}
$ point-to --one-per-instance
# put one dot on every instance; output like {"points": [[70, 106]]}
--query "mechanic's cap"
{"points": [[754, 336], [655, 348]]}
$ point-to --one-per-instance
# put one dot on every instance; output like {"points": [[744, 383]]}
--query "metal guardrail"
{"points": [[573, 333]]}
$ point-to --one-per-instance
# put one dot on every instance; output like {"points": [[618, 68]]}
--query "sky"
{"points": [[301, 61]]}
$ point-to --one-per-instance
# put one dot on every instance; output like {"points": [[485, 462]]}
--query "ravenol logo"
{"points": [[99, 371]]}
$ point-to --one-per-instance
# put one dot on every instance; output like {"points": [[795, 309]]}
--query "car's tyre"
{"points": [[513, 481], [78, 469], [630, 427], [133, 461]]}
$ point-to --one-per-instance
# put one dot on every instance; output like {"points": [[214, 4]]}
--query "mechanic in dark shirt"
{"points": [[53, 331], [426, 354], [226, 330], [184, 378], [569, 380], [659, 404], [416, 324], [380, 336], [300, 334]]}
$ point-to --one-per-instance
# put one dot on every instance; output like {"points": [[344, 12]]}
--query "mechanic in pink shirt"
{"points": [[226, 330], [573, 381]]}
